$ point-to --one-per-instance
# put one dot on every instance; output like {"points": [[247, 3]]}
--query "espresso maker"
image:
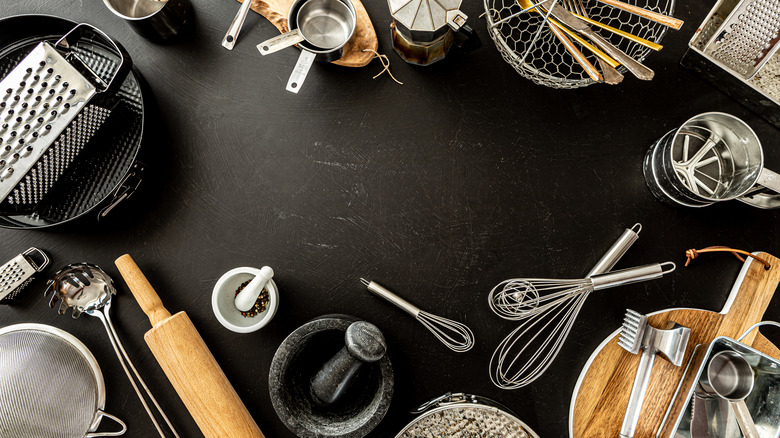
{"points": [[423, 31]]}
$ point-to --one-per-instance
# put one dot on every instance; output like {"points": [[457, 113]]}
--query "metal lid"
{"points": [[423, 15]]}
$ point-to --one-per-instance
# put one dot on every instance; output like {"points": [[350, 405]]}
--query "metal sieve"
{"points": [[458, 415], [50, 385]]}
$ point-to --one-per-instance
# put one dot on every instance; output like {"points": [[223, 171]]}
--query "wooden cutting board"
{"points": [[601, 394], [364, 38]]}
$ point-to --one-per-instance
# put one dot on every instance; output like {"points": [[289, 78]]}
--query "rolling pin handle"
{"points": [[142, 290]]}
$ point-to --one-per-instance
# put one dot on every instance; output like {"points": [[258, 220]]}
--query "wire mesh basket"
{"points": [[527, 43]]}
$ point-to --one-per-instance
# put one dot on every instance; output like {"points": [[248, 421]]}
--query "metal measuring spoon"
{"points": [[86, 288]]}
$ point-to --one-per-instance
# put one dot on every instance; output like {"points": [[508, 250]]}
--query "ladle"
{"points": [[86, 288]]}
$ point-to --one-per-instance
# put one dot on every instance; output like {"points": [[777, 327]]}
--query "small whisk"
{"points": [[548, 309], [455, 335]]}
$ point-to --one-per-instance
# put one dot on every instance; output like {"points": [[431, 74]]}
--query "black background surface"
{"points": [[464, 176]]}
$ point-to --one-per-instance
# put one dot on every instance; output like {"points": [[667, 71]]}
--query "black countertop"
{"points": [[465, 175]]}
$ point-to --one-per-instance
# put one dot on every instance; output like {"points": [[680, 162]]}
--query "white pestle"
{"points": [[246, 299]]}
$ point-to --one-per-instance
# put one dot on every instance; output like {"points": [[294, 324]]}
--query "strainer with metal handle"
{"points": [[527, 43], [50, 385]]}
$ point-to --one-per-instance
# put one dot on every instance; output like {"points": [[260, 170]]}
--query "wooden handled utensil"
{"points": [[672, 22], [188, 363], [575, 52], [602, 391]]}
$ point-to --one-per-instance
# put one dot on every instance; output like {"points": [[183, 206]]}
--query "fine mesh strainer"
{"points": [[544, 60], [50, 385]]}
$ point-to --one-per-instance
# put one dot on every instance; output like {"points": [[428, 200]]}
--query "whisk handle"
{"points": [[616, 251], [631, 275], [385, 294]]}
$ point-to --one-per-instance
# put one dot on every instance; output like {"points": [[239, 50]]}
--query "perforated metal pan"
{"points": [[107, 171]]}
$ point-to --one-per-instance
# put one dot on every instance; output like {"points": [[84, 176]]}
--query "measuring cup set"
{"points": [[729, 378], [321, 28]]}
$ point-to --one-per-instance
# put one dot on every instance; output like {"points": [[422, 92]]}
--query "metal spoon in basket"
{"points": [[86, 288]]}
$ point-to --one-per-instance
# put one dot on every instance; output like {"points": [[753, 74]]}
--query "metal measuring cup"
{"points": [[712, 157], [157, 20], [730, 377], [321, 28]]}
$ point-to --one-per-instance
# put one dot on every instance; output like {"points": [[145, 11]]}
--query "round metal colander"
{"points": [[546, 60], [50, 385]]}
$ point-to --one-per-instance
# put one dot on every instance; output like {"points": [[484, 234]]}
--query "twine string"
{"points": [[385, 63]]}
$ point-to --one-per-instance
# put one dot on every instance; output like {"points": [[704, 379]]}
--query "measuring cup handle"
{"points": [[745, 420], [280, 42], [470, 40], [301, 69], [760, 196]]}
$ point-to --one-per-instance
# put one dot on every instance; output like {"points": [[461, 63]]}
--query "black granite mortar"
{"points": [[296, 362]]}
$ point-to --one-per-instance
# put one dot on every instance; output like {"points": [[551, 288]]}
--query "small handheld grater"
{"points": [[748, 37], [18, 273], [46, 117]]}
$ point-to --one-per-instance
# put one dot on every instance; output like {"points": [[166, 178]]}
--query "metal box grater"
{"points": [[748, 37], [47, 119], [754, 83], [18, 272]]}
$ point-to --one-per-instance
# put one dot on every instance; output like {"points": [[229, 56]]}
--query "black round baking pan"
{"points": [[107, 171]]}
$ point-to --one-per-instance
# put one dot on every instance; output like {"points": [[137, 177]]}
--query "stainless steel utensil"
{"points": [[526, 352], [762, 401], [748, 37], [41, 97], [330, 23], [521, 298], [455, 335], [578, 10], [18, 272], [50, 385], [760, 93], [322, 23], [229, 41], [712, 157], [107, 170], [636, 334], [611, 75], [86, 288], [635, 67], [730, 377], [672, 22]]}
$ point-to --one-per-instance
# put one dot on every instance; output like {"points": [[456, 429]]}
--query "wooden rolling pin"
{"points": [[188, 363]]}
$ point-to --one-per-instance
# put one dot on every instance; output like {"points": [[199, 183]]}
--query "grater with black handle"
{"points": [[748, 37], [52, 105], [18, 273]]}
